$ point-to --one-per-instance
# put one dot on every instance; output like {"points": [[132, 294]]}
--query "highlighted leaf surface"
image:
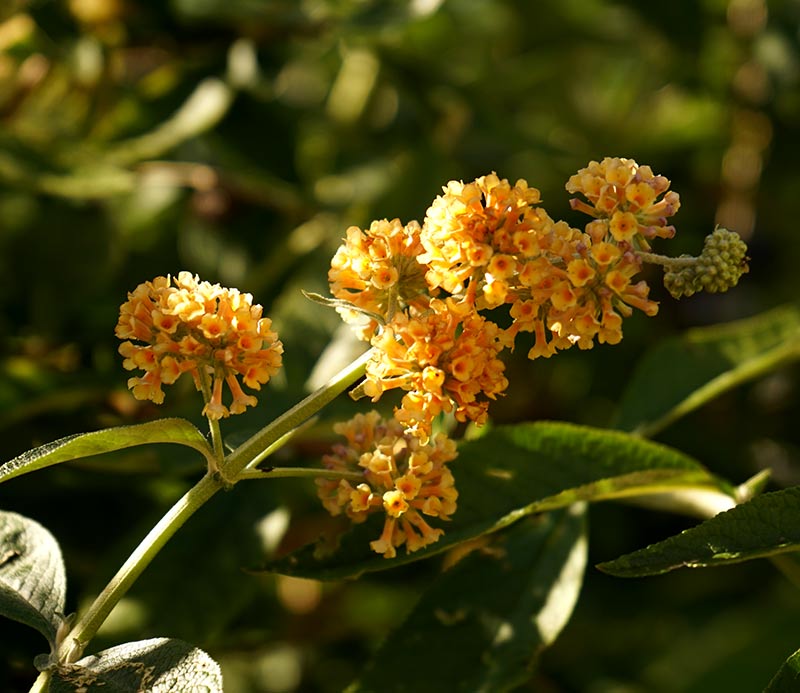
{"points": [[33, 583], [160, 665], [787, 679], [80, 445], [515, 471], [765, 526]]}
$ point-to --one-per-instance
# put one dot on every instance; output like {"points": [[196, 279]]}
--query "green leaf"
{"points": [[159, 665], [490, 615], [79, 445], [787, 678], [683, 373], [514, 471], [33, 583], [765, 526]]}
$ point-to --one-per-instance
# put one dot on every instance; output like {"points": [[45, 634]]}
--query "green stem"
{"points": [[42, 683], [666, 261], [213, 424], [267, 439], [87, 625], [253, 448], [787, 352], [301, 472]]}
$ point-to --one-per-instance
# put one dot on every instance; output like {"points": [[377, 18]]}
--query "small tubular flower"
{"points": [[630, 203], [403, 478], [175, 325], [376, 270], [446, 359]]}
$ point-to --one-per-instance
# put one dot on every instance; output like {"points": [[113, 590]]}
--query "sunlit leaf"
{"points": [[683, 373], [514, 471], [160, 665], [787, 679], [73, 447], [33, 583], [489, 615], [764, 526]]}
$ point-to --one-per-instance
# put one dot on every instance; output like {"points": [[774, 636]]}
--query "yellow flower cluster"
{"points": [[176, 325], [377, 272], [446, 360], [486, 254], [488, 244], [403, 477], [626, 200]]}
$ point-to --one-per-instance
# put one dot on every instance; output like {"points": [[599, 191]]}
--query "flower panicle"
{"points": [[177, 325], [405, 479], [488, 248]]}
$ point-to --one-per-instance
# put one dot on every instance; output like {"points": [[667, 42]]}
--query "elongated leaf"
{"points": [[685, 372], [490, 615], [787, 678], [159, 665], [515, 471], [73, 447], [33, 583], [764, 526]]}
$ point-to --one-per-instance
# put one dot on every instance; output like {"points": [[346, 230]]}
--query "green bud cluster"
{"points": [[717, 268]]}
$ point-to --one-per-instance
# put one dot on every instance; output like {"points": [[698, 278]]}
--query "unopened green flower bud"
{"points": [[718, 267]]}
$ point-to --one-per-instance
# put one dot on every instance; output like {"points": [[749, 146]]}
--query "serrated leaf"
{"points": [[159, 665], [33, 582], [178, 431], [787, 678], [685, 372], [765, 526], [490, 615], [514, 471]]}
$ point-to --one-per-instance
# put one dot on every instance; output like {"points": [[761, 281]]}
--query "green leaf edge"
{"points": [[729, 378], [49, 454], [620, 567], [787, 678]]}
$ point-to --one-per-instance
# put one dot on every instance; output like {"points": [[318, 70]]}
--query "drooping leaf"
{"points": [[787, 678], [685, 372], [514, 471], [159, 665], [765, 526], [33, 583], [485, 620], [79, 445]]}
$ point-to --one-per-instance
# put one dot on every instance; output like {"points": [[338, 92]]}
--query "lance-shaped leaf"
{"points": [[33, 583], [765, 526], [514, 471], [489, 615], [159, 665], [787, 678], [683, 373], [73, 447]]}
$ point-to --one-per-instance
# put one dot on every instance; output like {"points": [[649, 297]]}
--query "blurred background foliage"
{"points": [[238, 139]]}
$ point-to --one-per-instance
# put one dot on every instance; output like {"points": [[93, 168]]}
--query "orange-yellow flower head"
{"points": [[376, 270], [629, 202], [475, 234], [446, 359], [402, 477], [176, 325]]}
